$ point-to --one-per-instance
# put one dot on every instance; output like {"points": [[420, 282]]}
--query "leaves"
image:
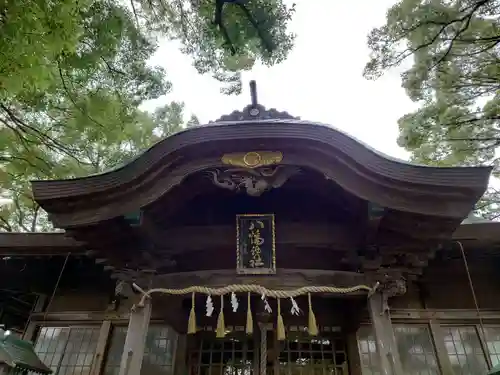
{"points": [[74, 73], [455, 76], [94, 150], [191, 23]]}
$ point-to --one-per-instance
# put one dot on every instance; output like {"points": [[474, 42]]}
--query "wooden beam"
{"points": [[79, 316], [180, 239], [444, 314], [284, 279], [38, 244], [210, 237], [29, 333], [487, 232]]}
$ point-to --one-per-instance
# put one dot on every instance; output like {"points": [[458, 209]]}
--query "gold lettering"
{"points": [[256, 241]]}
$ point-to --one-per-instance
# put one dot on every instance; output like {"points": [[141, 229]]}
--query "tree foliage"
{"points": [[73, 74], [95, 149], [38, 35], [455, 77], [191, 22]]}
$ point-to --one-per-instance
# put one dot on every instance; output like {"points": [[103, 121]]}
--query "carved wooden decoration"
{"points": [[252, 181], [253, 159], [257, 112], [256, 244]]}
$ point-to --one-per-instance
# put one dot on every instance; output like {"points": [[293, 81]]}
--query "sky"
{"points": [[320, 81]]}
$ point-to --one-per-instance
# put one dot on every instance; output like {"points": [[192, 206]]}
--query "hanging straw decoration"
{"points": [[312, 326], [192, 317], [295, 310], [267, 307], [221, 329], [280, 326], [251, 288], [234, 302], [209, 306], [249, 328]]}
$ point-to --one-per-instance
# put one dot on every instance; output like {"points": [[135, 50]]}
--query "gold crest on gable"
{"points": [[252, 159]]}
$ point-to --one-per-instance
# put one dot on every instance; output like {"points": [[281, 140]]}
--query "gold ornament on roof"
{"points": [[252, 159]]}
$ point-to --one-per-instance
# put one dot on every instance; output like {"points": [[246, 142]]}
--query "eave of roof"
{"points": [[279, 130], [487, 232], [40, 244]]}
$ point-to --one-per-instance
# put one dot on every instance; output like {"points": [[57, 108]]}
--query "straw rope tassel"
{"points": [[192, 317], [313, 327], [280, 334], [249, 329], [221, 329]]}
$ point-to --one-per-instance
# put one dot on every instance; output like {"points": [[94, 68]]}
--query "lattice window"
{"points": [[416, 350], [159, 353], [368, 351], [414, 346], [492, 340], [302, 355], [68, 350], [233, 355], [464, 350]]}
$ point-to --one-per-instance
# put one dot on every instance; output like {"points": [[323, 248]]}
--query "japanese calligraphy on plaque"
{"points": [[256, 249]]}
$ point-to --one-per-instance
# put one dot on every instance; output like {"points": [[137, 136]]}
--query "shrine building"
{"points": [[257, 244]]}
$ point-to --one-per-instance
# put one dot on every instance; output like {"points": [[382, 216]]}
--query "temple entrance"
{"points": [[300, 354], [239, 354], [233, 355]]}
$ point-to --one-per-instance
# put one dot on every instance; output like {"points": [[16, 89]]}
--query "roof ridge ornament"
{"points": [[255, 111]]}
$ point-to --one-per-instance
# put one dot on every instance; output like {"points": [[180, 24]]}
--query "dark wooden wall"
{"points": [[445, 283], [86, 287]]}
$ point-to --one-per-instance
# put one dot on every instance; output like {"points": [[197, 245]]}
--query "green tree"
{"points": [[67, 56], [454, 48], [191, 23], [95, 149], [74, 73], [65, 66], [38, 36]]}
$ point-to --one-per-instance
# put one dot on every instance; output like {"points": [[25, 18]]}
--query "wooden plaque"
{"points": [[255, 244]]}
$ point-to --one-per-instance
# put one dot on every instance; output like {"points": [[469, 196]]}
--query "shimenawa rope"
{"points": [[252, 288]]}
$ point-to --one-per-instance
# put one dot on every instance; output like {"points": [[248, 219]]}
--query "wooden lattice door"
{"points": [[301, 354], [238, 354], [233, 355]]}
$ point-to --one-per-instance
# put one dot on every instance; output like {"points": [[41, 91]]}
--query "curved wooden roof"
{"points": [[360, 170]]}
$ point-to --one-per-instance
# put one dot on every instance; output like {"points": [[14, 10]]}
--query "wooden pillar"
{"points": [[263, 349], [441, 353], [353, 359], [256, 358], [133, 350], [102, 342], [387, 350], [31, 328], [180, 355]]}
